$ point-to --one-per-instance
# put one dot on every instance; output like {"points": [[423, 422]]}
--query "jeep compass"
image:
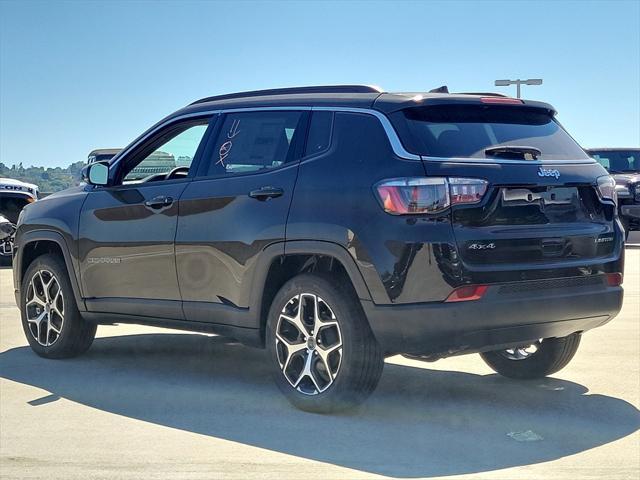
{"points": [[334, 226]]}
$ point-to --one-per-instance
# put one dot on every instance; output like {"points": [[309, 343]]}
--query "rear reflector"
{"points": [[467, 293], [614, 279], [502, 100]]}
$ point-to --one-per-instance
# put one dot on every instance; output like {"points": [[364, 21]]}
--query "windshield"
{"points": [[618, 161], [468, 130]]}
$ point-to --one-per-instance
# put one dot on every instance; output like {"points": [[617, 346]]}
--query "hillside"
{"points": [[47, 179]]}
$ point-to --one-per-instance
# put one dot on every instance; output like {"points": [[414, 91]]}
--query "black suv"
{"points": [[335, 226], [624, 166]]}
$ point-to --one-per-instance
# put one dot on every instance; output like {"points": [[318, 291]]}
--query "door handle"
{"points": [[159, 202], [265, 193]]}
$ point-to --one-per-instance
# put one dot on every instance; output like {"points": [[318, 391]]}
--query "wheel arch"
{"points": [[277, 265], [37, 243]]}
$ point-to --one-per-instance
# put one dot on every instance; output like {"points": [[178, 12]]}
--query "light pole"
{"points": [[506, 83]]}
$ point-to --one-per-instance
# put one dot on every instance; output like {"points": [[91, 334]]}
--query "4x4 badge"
{"points": [[482, 246], [548, 172]]}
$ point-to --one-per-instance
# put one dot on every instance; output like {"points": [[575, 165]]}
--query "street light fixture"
{"points": [[517, 83]]}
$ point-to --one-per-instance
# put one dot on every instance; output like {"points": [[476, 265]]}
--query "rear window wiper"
{"points": [[528, 153]]}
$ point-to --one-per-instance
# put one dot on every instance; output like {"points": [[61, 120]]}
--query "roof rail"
{"points": [[294, 90]]}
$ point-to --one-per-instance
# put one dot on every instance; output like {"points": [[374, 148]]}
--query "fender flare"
{"points": [[305, 247], [57, 238], [336, 251]]}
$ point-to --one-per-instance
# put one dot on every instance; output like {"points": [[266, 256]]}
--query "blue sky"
{"points": [[75, 76]]}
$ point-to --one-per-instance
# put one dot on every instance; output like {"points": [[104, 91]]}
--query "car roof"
{"points": [[345, 96], [105, 151]]}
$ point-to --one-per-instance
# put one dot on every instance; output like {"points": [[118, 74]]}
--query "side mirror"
{"points": [[96, 173]]}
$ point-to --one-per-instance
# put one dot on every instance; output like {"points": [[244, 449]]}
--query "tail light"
{"points": [[614, 279], [467, 293], [417, 195], [607, 188]]}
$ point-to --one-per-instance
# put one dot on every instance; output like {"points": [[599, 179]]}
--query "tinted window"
{"points": [[173, 149], [618, 160], [254, 141], [467, 130], [319, 138]]}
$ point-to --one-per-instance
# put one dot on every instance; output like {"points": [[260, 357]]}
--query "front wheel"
{"points": [[50, 317], [542, 358], [323, 352]]}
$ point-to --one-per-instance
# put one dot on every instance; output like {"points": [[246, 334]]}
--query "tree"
{"points": [[48, 179]]}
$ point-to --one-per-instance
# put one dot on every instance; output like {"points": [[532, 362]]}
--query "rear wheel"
{"points": [[542, 358], [323, 352], [50, 317]]}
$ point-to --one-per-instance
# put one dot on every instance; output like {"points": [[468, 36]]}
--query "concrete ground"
{"points": [[145, 403]]}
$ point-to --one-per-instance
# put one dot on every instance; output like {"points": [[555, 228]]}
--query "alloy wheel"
{"points": [[308, 344], [45, 307], [521, 353]]}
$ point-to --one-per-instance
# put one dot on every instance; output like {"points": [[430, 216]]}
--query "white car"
{"points": [[14, 196]]}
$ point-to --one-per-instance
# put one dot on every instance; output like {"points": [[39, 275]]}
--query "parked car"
{"points": [[102, 154], [14, 196], [7, 228], [335, 226], [624, 166]]}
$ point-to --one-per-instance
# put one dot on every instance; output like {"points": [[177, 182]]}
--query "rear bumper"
{"points": [[507, 315]]}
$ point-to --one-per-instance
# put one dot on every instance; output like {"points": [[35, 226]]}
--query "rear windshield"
{"points": [[468, 130]]}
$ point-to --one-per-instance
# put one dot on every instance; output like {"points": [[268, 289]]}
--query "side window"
{"points": [[319, 138], [169, 156], [254, 141]]}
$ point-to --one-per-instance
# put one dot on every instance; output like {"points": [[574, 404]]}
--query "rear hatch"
{"points": [[542, 208]]}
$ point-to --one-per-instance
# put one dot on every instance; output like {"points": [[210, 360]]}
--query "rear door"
{"points": [[237, 206], [541, 209]]}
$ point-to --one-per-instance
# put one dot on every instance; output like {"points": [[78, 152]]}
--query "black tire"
{"points": [[553, 355], [76, 335], [361, 361]]}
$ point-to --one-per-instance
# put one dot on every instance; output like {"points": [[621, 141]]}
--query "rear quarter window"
{"points": [[467, 130], [319, 138]]}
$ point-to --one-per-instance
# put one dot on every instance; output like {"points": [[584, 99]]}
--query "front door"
{"points": [[127, 230], [235, 207]]}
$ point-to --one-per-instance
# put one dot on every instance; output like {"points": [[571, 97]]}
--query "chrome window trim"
{"points": [[484, 161], [392, 136], [394, 140]]}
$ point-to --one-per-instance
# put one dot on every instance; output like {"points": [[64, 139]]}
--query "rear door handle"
{"points": [[265, 193], [159, 202]]}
